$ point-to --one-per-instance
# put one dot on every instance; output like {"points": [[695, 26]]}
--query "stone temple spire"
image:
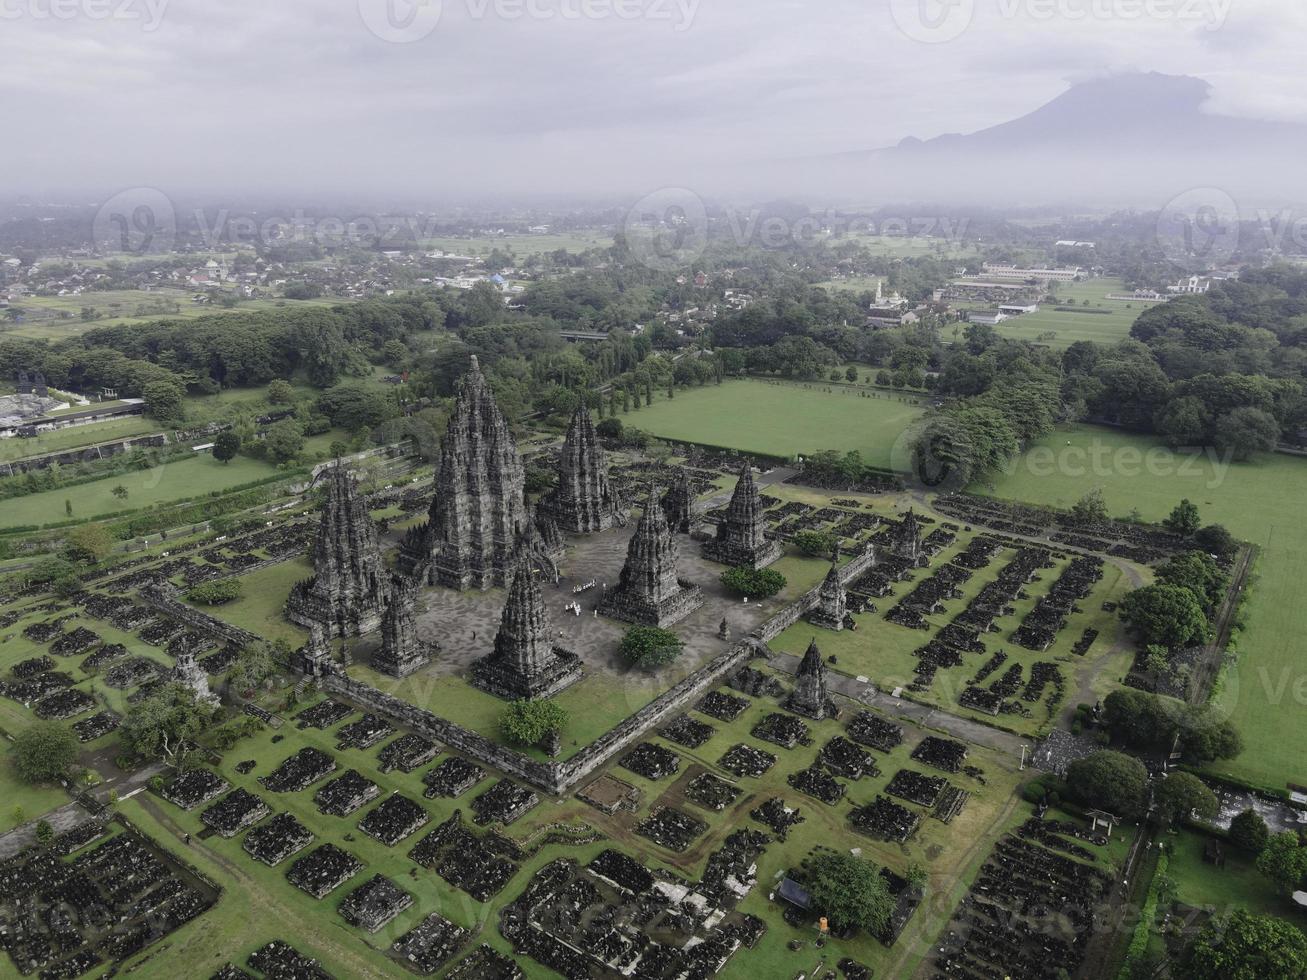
{"points": [[479, 510], [832, 607], [187, 671], [402, 651], [349, 584], [742, 535], [907, 537], [583, 502], [678, 503], [525, 663], [650, 592], [809, 697]]}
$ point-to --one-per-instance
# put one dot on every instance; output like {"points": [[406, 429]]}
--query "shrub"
{"points": [[754, 584], [649, 647], [215, 593], [528, 722]]}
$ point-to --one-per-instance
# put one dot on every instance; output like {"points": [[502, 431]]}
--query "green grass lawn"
{"points": [[1259, 501], [76, 437], [1103, 321], [780, 418], [521, 245], [259, 905], [883, 651], [190, 477], [260, 609], [1237, 885], [59, 317]]}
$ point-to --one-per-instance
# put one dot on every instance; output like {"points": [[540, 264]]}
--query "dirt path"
{"points": [[943, 901], [277, 918], [927, 716]]}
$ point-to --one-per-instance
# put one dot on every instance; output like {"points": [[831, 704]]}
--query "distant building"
{"points": [[986, 318], [1013, 272], [1192, 286], [1014, 309]]}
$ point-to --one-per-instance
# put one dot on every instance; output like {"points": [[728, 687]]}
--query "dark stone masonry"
{"points": [[810, 697], [584, 501], [525, 663], [402, 651], [479, 509], [649, 592], [742, 537], [349, 584]]}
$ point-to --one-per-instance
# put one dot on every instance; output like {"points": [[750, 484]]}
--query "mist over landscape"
{"points": [[653, 489]]}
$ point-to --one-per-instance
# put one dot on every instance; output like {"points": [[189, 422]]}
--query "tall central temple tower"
{"points": [[479, 510]]}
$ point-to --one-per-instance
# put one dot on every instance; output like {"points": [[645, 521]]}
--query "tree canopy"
{"points": [[849, 892], [44, 752], [529, 722], [649, 647], [1244, 946], [1110, 781], [1167, 615]]}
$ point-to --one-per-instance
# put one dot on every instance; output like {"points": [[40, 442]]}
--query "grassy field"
{"points": [[853, 284], [904, 246], [1103, 321], [189, 477], [521, 245], [59, 317], [780, 418], [76, 437], [1259, 501], [260, 905], [1238, 885]]}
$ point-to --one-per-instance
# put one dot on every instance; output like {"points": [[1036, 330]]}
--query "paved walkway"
{"points": [[920, 714], [65, 818]]}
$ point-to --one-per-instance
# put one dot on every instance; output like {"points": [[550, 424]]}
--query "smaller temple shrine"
{"points": [[402, 651], [525, 663], [809, 697], [650, 591], [742, 535]]}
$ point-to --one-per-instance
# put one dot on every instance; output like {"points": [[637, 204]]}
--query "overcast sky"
{"points": [[348, 96]]}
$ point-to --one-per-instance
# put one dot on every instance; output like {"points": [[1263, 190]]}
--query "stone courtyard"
{"points": [[464, 623]]}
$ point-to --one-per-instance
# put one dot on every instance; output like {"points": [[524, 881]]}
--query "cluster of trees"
{"points": [[1175, 611], [1118, 784], [1147, 722]]}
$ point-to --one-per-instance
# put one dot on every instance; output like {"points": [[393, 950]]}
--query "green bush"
{"points": [[215, 593], [754, 584]]}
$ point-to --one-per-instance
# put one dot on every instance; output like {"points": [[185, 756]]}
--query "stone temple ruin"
{"points": [[809, 697], [678, 503], [742, 536], [349, 584], [526, 664], [188, 672], [832, 609], [907, 537], [649, 592], [402, 651], [479, 510], [584, 501]]}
